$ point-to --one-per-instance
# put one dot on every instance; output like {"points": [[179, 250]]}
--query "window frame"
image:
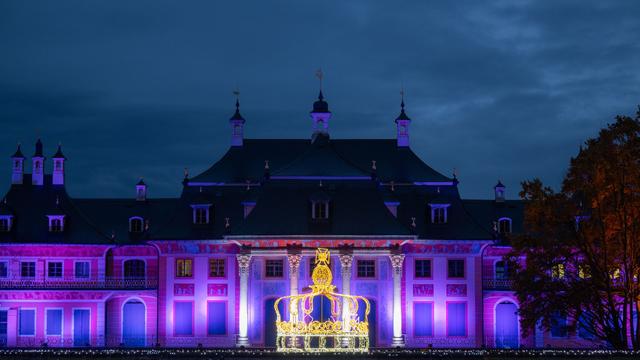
{"points": [[416, 319], [22, 263], [184, 260], [323, 206], [75, 269], [46, 321], [51, 262], [56, 223], [445, 212], [226, 318], [466, 319], [8, 220], [137, 260], [6, 267], [415, 269], [375, 269], [464, 269], [136, 219], [35, 321], [505, 220], [224, 267], [207, 213], [193, 319], [266, 268]]}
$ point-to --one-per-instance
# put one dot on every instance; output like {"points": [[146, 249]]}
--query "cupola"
{"points": [[37, 176], [499, 192], [58, 167], [320, 116], [141, 190], [402, 125], [17, 163], [237, 124]]}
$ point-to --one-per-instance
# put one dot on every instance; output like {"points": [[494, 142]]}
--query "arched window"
{"points": [[320, 210], [136, 224], [504, 225], [134, 269]]}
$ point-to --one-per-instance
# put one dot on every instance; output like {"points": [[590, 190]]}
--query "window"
{"points": [[28, 269], [56, 223], [455, 268], [81, 270], [558, 325], [183, 318], [216, 267], [54, 269], [134, 269], [502, 270], [136, 225], [53, 324], [320, 210], [583, 271], [504, 226], [4, 269], [366, 268], [557, 271], [456, 319], [274, 268], [184, 268], [27, 318], [58, 164], [423, 268], [423, 319], [439, 213], [217, 318], [200, 214], [5, 224]]}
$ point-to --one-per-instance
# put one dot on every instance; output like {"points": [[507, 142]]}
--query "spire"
{"points": [[39, 152], [59, 154], [320, 114], [18, 154], [141, 191], [237, 123], [37, 166], [499, 192], [402, 124]]}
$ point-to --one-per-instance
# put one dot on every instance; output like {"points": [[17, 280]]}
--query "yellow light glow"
{"points": [[344, 332]]}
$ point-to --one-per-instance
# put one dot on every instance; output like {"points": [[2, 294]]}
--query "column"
{"points": [[396, 262], [294, 274], [345, 262], [100, 325], [243, 267]]}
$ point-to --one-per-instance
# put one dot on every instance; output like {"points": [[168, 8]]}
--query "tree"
{"points": [[579, 256]]}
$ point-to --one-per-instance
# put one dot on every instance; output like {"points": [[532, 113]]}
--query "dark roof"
{"points": [[403, 115], [499, 184], [487, 211], [236, 115], [18, 154], [141, 183], [39, 152], [336, 157]]}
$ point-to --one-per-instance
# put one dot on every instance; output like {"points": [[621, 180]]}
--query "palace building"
{"points": [[205, 269]]}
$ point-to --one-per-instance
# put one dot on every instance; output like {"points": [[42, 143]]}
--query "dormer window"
{"points": [[5, 223], [504, 225], [201, 214], [439, 213], [56, 223], [248, 207], [136, 224], [320, 210]]}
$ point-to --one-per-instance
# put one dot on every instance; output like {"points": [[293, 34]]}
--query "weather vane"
{"points": [[319, 75]]}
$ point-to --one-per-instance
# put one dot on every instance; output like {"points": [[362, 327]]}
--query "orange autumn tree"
{"points": [[579, 257]]}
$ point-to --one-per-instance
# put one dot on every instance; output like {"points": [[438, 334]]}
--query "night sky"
{"points": [[499, 90]]}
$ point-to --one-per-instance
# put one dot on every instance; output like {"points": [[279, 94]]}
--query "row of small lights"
{"points": [[262, 352]]}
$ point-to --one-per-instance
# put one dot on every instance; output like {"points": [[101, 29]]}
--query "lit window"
{"points": [[274, 268], [134, 269], [320, 210], [136, 224], [184, 268], [616, 274], [54, 269], [455, 268], [439, 213], [583, 272], [366, 268], [557, 271], [81, 269], [56, 223], [423, 268], [5, 224], [28, 269], [216, 267], [504, 226]]}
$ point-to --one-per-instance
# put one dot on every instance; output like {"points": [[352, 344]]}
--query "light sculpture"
{"points": [[343, 332]]}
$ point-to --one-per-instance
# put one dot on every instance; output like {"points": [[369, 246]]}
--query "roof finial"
{"points": [[266, 164], [236, 92], [186, 173], [57, 200], [320, 75], [402, 96]]}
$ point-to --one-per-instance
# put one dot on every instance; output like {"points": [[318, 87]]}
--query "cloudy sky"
{"points": [[499, 90]]}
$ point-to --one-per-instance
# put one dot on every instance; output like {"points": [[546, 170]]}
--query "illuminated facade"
{"points": [[207, 268]]}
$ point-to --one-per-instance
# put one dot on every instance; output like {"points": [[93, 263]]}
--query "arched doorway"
{"points": [[373, 324], [506, 325], [270, 331], [133, 323]]}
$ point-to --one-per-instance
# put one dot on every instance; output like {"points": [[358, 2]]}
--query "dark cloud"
{"points": [[502, 89]]}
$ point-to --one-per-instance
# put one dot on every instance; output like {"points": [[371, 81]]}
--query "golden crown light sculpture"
{"points": [[343, 332]]}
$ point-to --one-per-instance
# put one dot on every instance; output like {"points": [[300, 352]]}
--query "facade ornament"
{"points": [[243, 263], [396, 262], [294, 262], [346, 261]]}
